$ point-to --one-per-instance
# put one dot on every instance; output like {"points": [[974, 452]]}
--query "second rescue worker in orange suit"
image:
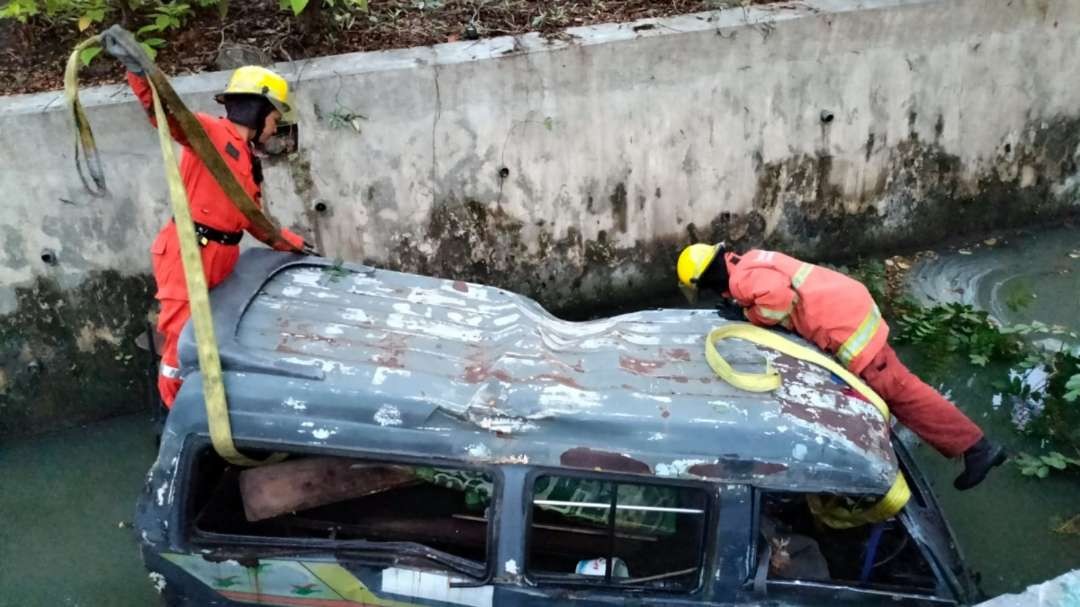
{"points": [[255, 99], [838, 314]]}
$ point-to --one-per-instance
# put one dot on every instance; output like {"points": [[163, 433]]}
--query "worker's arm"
{"points": [[141, 87], [765, 294], [294, 243]]}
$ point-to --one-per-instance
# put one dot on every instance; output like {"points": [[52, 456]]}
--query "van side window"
{"points": [[795, 546], [330, 501], [616, 533]]}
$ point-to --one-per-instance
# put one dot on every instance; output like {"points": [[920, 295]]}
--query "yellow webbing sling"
{"points": [[829, 510], [217, 411]]}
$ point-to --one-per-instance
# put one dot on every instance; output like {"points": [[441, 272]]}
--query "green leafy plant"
{"points": [[1040, 465], [90, 13], [1073, 388], [166, 17], [342, 117], [298, 6], [87, 54], [554, 16], [961, 329], [20, 10], [336, 271], [83, 13]]}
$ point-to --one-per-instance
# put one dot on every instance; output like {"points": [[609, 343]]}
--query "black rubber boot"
{"points": [[978, 460]]}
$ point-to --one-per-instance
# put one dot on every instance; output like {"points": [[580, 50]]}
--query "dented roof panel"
{"points": [[364, 359]]}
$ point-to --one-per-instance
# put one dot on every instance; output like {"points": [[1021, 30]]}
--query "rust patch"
{"points": [[851, 427], [461, 285], [733, 468], [286, 348], [679, 379], [314, 337], [677, 354], [474, 374], [477, 373], [664, 412], [393, 352], [767, 468], [716, 470], [638, 366], [591, 459], [569, 382], [579, 366]]}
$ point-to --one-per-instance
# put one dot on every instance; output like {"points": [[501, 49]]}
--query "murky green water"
{"points": [[62, 496], [1005, 525]]}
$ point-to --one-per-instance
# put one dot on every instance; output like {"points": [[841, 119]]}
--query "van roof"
{"points": [[353, 358]]}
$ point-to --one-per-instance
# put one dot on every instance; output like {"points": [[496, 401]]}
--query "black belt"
{"points": [[206, 235]]}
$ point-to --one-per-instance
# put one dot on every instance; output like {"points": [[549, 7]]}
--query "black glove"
{"points": [[309, 249], [729, 309], [110, 43]]}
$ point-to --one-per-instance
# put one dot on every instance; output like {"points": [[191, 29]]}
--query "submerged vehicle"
{"points": [[454, 444]]}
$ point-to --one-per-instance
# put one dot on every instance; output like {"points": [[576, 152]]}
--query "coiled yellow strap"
{"points": [[829, 509]]}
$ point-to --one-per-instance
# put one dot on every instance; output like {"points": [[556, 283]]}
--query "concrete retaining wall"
{"points": [[569, 169]]}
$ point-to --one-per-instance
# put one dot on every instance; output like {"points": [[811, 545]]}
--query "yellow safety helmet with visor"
{"points": [[693, 262], [255, 80]]}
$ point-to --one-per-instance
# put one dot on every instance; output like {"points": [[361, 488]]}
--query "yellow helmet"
{"points": [[255, 80], [693, 261]]}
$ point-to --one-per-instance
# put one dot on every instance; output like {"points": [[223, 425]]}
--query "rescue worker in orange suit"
{"points": [[838, 314], [255, 99]]}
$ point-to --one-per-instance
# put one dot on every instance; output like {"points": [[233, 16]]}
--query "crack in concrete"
{"points": [[434, 127]]}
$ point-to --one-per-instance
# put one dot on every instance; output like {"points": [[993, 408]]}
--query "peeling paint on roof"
{"points": [[478, 374], [296, 405], [388, 415]]}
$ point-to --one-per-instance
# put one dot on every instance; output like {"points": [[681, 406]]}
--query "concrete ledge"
{"points": [[572, 170]]}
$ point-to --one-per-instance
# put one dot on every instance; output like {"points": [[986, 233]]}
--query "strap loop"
{"points": [[831, 509], [217, 408]]}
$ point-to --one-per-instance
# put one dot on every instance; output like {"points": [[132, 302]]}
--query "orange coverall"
{"points": [[209, 207], [838, 314]]}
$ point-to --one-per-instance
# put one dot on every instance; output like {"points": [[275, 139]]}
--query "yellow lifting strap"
{"points": [[217, 410], [830, 510]]}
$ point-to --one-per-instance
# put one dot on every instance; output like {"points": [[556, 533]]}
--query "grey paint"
{"points": [[362, 359]]}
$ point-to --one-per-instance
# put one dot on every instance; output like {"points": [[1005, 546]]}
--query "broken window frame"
{"points": [[215, 546], [705, 552], [942, 591]]}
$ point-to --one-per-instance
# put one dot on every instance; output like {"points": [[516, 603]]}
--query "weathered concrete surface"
{"points": [[1062, 591], [572, 170]]}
